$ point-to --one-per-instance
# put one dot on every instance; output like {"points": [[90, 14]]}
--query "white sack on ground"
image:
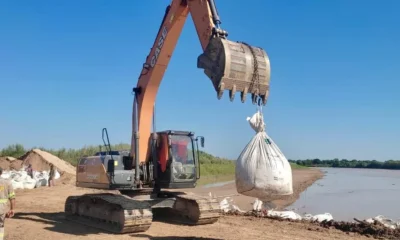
{"points": [[262, 171], [21, 179], [227, 205], [389, 223], [319, 217], [259, 205], [29, 183], [284, 214], [41, 183], [56, 175], [17, 185]]}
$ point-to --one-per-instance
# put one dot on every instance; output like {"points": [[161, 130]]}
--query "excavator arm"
{"points": [[233, 66]]}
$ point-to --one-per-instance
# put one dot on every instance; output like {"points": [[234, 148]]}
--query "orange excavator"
{"points": [[147, 177]]}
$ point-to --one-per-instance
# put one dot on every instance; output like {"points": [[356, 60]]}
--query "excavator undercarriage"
{"points": [[124, 214], [172, 164]]}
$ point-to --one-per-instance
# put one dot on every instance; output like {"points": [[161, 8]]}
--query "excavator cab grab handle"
{"points": [[201, 138], [111, 162], [202, 142]]}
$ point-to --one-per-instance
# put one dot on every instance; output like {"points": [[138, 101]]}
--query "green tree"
{"points": [[15, 150]]}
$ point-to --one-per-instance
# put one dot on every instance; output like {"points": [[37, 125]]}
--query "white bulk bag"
{"points": [[29, 183], [17, 185], [284, 214], [41, 182], [6, 175], [57, 175], [318, 217], [262, 171]]}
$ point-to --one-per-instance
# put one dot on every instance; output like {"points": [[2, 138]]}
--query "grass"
{"points": [[217, 169], [297, 166]]}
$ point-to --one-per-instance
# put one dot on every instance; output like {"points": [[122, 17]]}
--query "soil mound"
{"points": [[10, 163], [41, 160]]}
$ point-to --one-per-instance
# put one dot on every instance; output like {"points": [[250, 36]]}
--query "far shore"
{"points": [[302, 179]]}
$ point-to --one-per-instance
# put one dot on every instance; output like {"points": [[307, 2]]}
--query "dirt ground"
{"points": [[302, 179], [39, 215]]}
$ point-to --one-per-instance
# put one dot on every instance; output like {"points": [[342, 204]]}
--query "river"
{"points": [[350, 193]]}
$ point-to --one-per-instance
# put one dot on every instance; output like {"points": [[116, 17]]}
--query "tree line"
{"points": [[344, 163], [73, 155]]}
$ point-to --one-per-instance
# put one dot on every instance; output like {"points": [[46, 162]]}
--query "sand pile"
{"points": [[21, 180], [41, 160], [8, 163]]}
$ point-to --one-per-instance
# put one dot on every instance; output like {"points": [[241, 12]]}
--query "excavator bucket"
{"points": [[237, 67]]}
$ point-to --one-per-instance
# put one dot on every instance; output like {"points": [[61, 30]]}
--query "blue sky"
{"points": [[67, 69]]}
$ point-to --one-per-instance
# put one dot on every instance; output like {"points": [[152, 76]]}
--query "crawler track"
{"points": [[121, 214], [113, 213], [196, 210]]}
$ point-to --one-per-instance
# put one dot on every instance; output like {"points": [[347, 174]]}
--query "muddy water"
{"points": [[349, 193]]}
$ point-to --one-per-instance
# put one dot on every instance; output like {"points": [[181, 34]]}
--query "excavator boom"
{"points": [[232, 66]]}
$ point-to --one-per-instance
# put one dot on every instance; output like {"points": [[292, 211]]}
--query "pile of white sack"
{"points": [[21, 180], [262, 171], [389, 223], [227, 205]]}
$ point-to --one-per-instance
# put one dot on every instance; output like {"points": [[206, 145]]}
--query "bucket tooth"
{"points": [[236, 67], [254, 97], [221, 89], [232, 93], [243, 95], [265, 97]]}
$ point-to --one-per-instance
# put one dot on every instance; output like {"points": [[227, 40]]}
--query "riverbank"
{"points": [[302, 179], [39, 215]]}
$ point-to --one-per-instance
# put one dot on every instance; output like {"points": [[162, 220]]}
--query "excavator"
{"points": [[149, 180]]}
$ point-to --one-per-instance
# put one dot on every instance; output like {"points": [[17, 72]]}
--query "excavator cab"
{"points": [[175, 155]]}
